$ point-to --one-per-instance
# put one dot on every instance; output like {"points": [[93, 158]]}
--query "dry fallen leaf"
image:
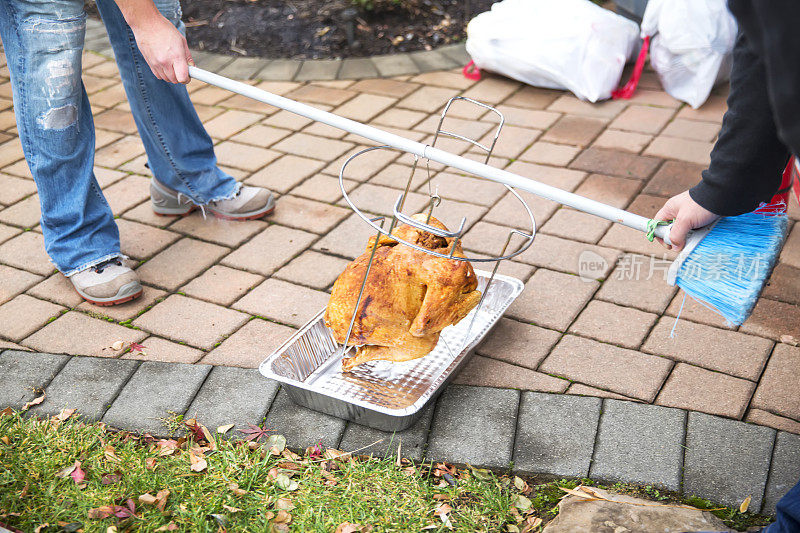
{"points": [[224, 429], [442, 511], [172, 526], [284, 504], [5, 440], [99, 513], [147, 499], [7, 412], [282, 517], [111, 454], [236, 490], [167, 446], [77, 474], [64, 414], [197, 460], [745, 504], [150, 463], [531, 524], [579, 493], [66, 471], [118, 345], [231, 509], [36, 401]]}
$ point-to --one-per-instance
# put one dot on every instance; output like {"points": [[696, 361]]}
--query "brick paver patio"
{"points": [[225, 293]]}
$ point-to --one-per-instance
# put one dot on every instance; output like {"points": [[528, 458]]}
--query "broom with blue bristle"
{"points": [[724, 265]]}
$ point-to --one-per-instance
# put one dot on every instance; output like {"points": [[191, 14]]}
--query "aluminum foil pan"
{"points": [[381, 394]]}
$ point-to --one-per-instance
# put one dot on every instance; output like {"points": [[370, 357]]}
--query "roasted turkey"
{"points": [[409, 297]]}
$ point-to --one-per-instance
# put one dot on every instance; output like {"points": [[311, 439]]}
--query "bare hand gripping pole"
{"points": [[569, 199]]}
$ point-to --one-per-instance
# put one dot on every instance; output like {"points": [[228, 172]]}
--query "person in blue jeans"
{"points": [[43, 41]]}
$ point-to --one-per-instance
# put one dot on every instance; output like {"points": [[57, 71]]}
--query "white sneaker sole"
{"points": [[126, 293]]}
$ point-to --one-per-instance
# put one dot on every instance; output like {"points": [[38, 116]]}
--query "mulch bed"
{"points": [[314, 29]]}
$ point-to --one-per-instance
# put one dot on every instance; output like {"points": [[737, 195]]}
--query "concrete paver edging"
{"points": [[532, 433], [257, 68]]}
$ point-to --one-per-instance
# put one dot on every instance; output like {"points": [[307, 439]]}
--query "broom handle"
{"points": [[555, 194]]}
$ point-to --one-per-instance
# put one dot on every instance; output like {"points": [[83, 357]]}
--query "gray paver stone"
{"points": [[639, 443], [356, 68], [303, 427], [394, 65], [233, 395], [785, 470], [726, 460], [320, 69], [88, 384], [411, 440], [243, 68], [429, 60], [474, 425], [22, 372], [555, 434], [154, 392], [210, 61], [279, 70], [456, 52]]}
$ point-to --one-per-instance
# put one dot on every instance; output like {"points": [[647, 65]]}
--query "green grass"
{"points": [[245, 487], [364, 491]]}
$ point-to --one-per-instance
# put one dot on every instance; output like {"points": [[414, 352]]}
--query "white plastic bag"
{"points": [[691, 45], [558, 44]]}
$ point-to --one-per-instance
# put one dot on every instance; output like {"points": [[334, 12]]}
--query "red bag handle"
{"points": [[629, 88], [471, 71]]}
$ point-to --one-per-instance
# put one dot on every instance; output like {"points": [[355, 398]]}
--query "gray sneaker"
{"points": [[249, 203], [109, 283]]}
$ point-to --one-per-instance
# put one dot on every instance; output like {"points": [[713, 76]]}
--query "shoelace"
{"points": [[100, 267]]}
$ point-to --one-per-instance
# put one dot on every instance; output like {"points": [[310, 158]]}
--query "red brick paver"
{"points": [[229, 293]]}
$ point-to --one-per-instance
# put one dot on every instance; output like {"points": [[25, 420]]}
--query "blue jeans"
{"points": [[787, 515], [43, 41]]}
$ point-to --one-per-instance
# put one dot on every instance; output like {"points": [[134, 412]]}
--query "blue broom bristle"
{"points": [[729, 267]]}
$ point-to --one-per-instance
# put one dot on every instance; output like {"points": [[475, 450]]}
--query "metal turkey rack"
{"points": [[382, 394]]}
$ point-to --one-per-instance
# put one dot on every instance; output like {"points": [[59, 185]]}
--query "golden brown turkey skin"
{"points": [[409, 297]]}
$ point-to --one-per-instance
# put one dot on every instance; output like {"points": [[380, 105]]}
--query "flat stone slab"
{"points": [[474, 425], [555, 434], [785, 470], [354, 68], [411, 441], [88, 384], [395, 65], [726, 460], [233, 395], [303, 427], [619, 516], [432, 60], [23, 372], [320, 69], [243, 68], [280, 69], [154, 392], [640, 444]]}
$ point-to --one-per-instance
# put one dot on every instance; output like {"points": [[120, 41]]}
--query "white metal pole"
{"points": [[569, 199]]}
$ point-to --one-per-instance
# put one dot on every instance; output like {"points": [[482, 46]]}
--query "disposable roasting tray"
{"points": [[380, 394]]}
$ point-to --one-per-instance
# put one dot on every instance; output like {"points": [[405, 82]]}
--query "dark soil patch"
{"points": [[312, 29]]}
